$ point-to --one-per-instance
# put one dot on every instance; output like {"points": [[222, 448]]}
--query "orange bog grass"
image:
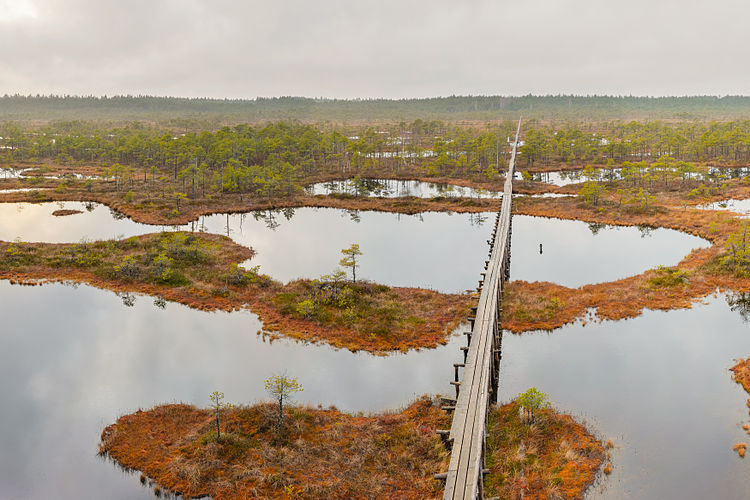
{"points": [[322, 453], [554, 457]]}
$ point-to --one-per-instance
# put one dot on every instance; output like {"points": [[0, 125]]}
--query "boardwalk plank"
{"points": [[468, 428]]}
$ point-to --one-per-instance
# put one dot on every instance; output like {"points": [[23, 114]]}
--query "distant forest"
{"points": [[200, 113]]}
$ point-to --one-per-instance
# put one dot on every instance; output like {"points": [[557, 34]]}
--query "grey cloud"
{"points": [[371, 49]]}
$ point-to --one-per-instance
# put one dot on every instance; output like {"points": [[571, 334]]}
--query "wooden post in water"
{"points": [[480, 382]]}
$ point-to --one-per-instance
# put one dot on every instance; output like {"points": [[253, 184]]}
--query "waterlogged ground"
{"points": [[741, 207], [441, 251], [659, 386]]}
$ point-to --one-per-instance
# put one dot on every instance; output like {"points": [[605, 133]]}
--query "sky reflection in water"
{"points": [[87, 359], [442, 251]]}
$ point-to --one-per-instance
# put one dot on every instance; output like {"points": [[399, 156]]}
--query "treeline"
{"points": [[633, 185], [277, 158], [279, 149], [200, 111], [715, 141]]}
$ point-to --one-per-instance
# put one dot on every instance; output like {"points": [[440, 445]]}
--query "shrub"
{"points": [[306, 308], [532, 401], [239, 276], [184, 248], [738, 250], [18, 254], [668, 277], [128, 268], [163, 272]]}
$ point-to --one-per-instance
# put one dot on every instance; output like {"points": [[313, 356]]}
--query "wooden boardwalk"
{"points": [[478, 386]]}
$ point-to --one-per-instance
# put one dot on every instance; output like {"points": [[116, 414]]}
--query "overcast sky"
{"points": [[383, 48]]}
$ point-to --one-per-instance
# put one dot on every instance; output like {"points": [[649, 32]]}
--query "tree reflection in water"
{"points": [[740, 302]]}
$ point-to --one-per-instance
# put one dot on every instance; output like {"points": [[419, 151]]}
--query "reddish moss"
{"points": [[543, 305], [742, 374], [322, 454], [385, 319], [63, 213], [554, 457]]}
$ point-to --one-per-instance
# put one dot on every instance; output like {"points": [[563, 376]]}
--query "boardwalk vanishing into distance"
{"points": [[477, 388]]}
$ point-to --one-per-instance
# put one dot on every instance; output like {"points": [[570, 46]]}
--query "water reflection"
{"points": [[659, 386], [390, 188], [565, 177], [561, 178], [64, 376], [577, 253], [740, 303], [442, 251], [41, 173], [741, 207], [128, 299], [23, 190], [646, 231], [595, 227]]}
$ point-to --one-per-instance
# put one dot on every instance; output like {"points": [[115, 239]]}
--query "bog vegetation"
{"points": [[551, 456], [203, 271], [635, 173], [277, 159], [321, 453]]}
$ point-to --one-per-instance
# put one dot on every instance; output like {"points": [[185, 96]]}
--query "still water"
{"points": [[90, 358], [437, 250], [67, 373], [741, 207], [23, 190], [565, 177], [575, 253], [659, 386], [388, 188]]}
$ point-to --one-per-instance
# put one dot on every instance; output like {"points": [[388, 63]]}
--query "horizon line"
{"points": [[361, 99]]}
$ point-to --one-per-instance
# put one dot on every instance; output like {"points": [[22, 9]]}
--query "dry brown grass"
{"points": [[543, 305], [382, 319], [63, 213], [554, 457], [321, 453], [742, 374], [150, 206]]}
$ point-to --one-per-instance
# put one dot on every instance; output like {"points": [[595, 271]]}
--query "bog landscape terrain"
{"points": [[271, 298]]}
